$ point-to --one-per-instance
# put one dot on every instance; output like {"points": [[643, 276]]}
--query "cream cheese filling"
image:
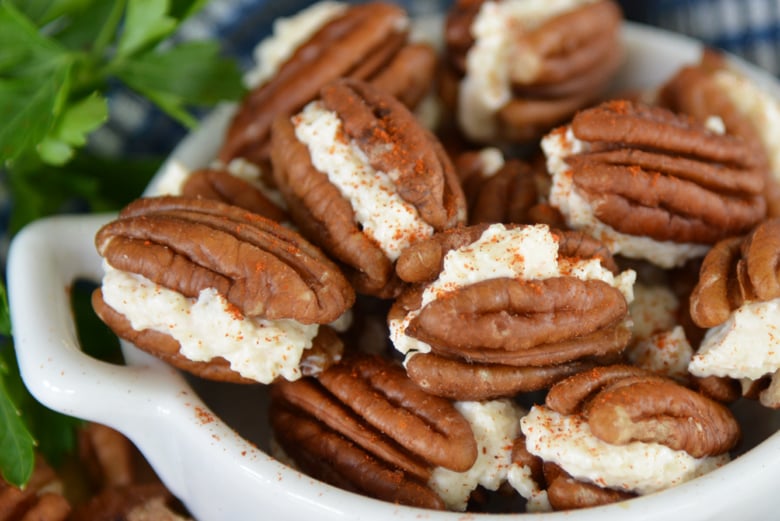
{"points": [[747, 345], [288, 34], [495, 424], [384, 216], [209, 326], [636, 467]]}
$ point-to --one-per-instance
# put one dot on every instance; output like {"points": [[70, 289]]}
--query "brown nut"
{"points": [[510, 194], [221, 185], [393, 142], [704, 90], [473, 381], [38, 500], [622, 405], [736, 270], [364, 425], [262, 269], [566, 493], [556, 67], [651, 173], [129, 503], [367, 42], [498, 336]]}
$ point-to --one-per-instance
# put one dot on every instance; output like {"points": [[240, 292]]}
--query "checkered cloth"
{"points": [[749, 28]]}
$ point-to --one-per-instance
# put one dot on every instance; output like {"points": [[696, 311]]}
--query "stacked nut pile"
{"points": [[107, 479], [545, 293]]}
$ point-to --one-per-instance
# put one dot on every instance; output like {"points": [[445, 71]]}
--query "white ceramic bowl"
{"points": [[189, 429]]}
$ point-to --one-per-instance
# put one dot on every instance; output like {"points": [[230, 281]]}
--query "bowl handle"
{"points": [[44, 260]]}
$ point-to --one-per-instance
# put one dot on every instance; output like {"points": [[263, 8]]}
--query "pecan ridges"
{"points": [[737, 270], [367, 42], [393, 142], [364, 425], [261, 267], [624, 404], [501, 336], [654, 173]]}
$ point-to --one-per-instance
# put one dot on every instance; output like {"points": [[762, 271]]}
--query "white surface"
{"points": [[220, 476]]}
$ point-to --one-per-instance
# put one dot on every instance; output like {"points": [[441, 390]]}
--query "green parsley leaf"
{"points": [[72, 128], [199, 77], [21, 45], [146, 23], [31, 104], [5, 313], [17, 456], [44, 11]]}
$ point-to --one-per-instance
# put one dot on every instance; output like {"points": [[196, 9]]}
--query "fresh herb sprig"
{"points": [[59, 59]]}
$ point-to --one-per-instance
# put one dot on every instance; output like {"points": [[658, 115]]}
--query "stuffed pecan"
{"points": [[366, 42], [737, 299], [618, 431], [217, 290], [515, 70], [364, 179], [496, 310], [652, 184]]}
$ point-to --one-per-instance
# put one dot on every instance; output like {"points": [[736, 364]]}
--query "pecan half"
{"points": [[567, 493], [652, 173], [495, 337], [473, 381], [510, 194], [737, 270], [553, 68], [712, 88], [39, 499], [261, 267], [262, 271], [624, 404], [221, 185], [367, 42], [363, 425], [391, 141]]}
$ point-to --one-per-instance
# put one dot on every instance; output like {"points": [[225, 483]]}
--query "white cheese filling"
{"points": [[636, 467], [747, 345], [579, 214], [209, 326], [526, 253], [384, 216], [667, 353], [496, 54], [760, 107], [522, 481], [658, 343], [495, 424], [288, 34], [653, 309]]}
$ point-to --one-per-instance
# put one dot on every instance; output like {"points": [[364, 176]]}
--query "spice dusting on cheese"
{"points": [[209, 326], [635, 467], [383, 215], [495, 424], [526, 253]]}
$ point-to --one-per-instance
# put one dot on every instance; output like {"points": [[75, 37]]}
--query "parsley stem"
{"points": [[109, 30]]}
